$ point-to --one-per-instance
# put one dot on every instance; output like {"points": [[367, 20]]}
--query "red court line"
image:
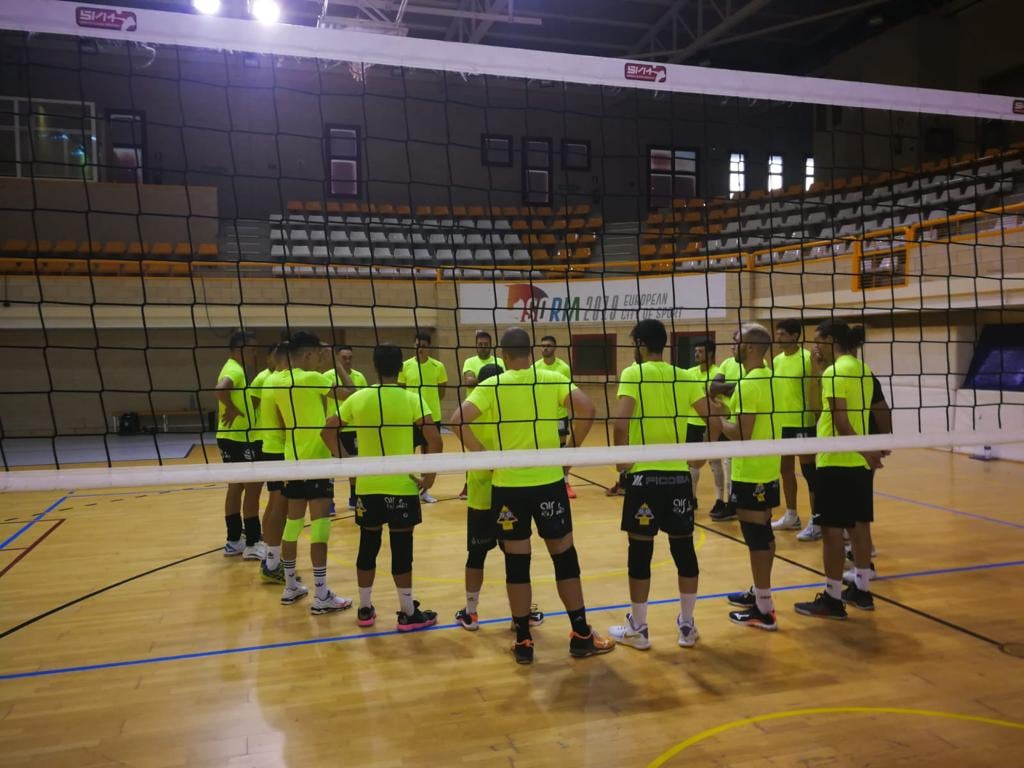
{"points": [[56, 524]]}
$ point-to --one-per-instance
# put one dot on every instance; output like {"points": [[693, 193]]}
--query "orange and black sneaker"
{"points": [[582, 646], [523, 651], [468, 621]]}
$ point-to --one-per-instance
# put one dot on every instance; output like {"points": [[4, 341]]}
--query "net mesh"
{"points": [[161, 187]]}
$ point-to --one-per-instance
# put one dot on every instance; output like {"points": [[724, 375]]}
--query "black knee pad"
{"points": [[567, 564], [517, 569], [369, 546], [685, 556], [476, 557], [809, 471], [641, 552], [401, 552], [759, 536]]}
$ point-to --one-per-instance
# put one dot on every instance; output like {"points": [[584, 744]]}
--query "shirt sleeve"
{"points": [[416, 403], [828, 386], [401, 376], [442, 373], [483, 395], [467, 366], [629, 383], [345, 410]]}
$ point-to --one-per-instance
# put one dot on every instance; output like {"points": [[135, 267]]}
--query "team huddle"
{"points": [[295, 411]]}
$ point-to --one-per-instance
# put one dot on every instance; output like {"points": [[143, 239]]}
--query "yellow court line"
{"points": [[711, 732]]}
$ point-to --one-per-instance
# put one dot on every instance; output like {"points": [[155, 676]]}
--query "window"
{"points": [[774, 172], [496, 150], [737, 173], [575, 155], [593, 354], [343, 161], [127, 145], [808, 173], [671, 175], [998, 362], [536, 171], [47, 138]]}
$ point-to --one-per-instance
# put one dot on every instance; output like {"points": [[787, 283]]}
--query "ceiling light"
{"points": [[265, 11], [209, 7]]}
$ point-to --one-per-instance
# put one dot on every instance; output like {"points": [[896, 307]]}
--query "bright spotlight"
{"points": [[265, 11], [209, 7]]}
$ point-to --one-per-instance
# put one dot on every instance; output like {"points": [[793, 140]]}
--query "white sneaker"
{"points": [[257, 551], [849, 575], [688, 634], [426, 498], [633, 636], [234, 548], [788, 522], [811, 533], [329, 604], [293, 594]]}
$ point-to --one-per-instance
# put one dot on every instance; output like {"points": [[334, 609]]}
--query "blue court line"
{"points": [[32, 522], [439, 627], [941, 508]]}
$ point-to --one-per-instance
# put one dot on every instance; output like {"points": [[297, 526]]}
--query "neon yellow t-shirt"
{"points": [[790, 376], [238, 429], [299, 396], [475, 363], [731, 369], [559, 366], [524, 404], [260, 426], [333, 406], [753, 394], [703, 376], [269, 429], [383, 417], [849, 379], [425, 378], [478, 481], [663, 396]]}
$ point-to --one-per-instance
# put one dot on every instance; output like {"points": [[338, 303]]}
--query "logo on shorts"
{"points": [[648, 73], [760, 496], [549, 509], [506, 519], [360, 508], [106, 18], [681, 506], [644, 515], [395, 503], [247, 454], [638, 481]]}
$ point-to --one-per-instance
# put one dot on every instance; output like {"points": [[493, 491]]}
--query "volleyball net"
{"points": [[166, 180]]}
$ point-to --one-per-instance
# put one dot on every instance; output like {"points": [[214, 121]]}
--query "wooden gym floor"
{"points": [[127, 639]]}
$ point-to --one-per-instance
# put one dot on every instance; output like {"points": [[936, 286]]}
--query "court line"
{"points": [[32, 522], [941, 508], [25, 550], [390, 633], [664, 757]]}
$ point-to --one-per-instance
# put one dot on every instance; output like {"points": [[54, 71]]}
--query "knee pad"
{"points": [[517, 569], [809, 471], [759, 536], [401, 552], [320, 530], [685, 556], [567, 564], [292, 528], [641, 551], [476, 557], [369, 546]]}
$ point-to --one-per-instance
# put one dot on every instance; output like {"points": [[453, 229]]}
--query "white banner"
{"points": [[692, 297]]}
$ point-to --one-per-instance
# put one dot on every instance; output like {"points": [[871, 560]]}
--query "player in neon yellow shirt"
{"points": [[730, 371], [384, 417], [523, 405], [343, 362], [427, 377], [654, 403], [705, 370], [234, 418], [484, 356], [551, 362]]}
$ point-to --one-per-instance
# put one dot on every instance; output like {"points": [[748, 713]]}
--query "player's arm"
{"points": [[469, 378], [432, 436], [883, 416], [329, 434], [345, 388], [581, 411], [223, 392], [709, 409], [460, 420], [843, 428], [620, 425], [442, 383], [740, 429], [719, 387]]}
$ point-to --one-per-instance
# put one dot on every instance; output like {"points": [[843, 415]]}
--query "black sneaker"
{"points": [[416, 620], [751, 617], [723, 512], [366, 616], [523, 651], [466, 620], [859, 598], [582, 646], [718, 508], [824, 607], [742, 599]]}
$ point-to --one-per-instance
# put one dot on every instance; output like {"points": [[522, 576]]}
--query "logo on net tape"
{"points": [[648, 73], [106, 18], [1018, 106]]}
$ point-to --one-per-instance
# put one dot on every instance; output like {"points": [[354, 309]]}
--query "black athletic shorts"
{"points": [[373, 510], [233, 452], [842, 496], [481, 530], [272, 485], [695, 433], [791, 432], [348, 441], [513, 508], [308, 490], [758, 497], [563, 427], [658, 500]]}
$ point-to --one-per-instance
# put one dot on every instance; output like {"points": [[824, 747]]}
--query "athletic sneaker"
{"points": [[234, 548], [723, 513], [569, 491], [275, 576], [351, 503], [426, 498], [293, 594], [463, 494], [523, 651], [788, 522], [330, 604], [742, 599], [688, 634], [536, 618], [615, 490], [824, 607], [630, 634], [257, 551], [751, 617], [811, 533], [858, 598], [582, 646], [717, 509], [850, 574], [366, 617], [417, 620], [333, 510], [466, 620]]}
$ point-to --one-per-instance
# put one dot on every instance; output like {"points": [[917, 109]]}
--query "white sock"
{"points": [[405, 601], [834, 588], [639, 614], [791, 513], [687, 602], [364, 597], [695, 474], [765, 604], [719, 475], [273, 557], [862, 579], [320, 582], [472, 601], [289, 574]]}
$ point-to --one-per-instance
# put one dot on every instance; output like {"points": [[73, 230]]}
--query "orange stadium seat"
{"points": [[647, 251], [183, 251], [540, 255], [547, 239], [14, 247], [313, 207], [423, 211], [296, 207], [403, 210], [509, 210], [161, 250], [136, 249], [476, 212], [41, 247], [333, 208], [114, 249], [386, 209], [577, 223], [90, 248], [208, 251], [595, 222], [440, 210], [65, 248]]}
